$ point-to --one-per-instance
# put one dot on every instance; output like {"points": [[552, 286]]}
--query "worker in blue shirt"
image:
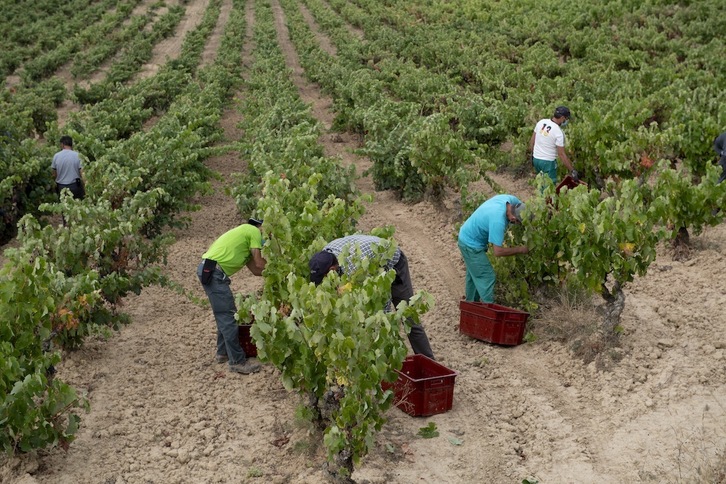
{"points": [[487, 225]]}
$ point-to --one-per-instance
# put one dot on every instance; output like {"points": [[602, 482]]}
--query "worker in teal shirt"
{"points": [[485, 226]]}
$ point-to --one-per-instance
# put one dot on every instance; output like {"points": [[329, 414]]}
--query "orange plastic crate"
{"points": [[245, 340], [424, 387], [492, 322]]}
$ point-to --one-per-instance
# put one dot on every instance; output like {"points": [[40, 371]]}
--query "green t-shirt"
{"points": [[232, 249]]}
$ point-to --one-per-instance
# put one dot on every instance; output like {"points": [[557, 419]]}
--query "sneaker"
{"points": [[222, 358], [246, 368]]}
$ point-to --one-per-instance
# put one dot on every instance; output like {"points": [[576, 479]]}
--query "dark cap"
{"points": [[255, 221], [320, 265], [561, 111]]}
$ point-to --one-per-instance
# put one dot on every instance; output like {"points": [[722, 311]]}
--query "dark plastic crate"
{"points": [[424, 387], [568, 182], [245, 340], [492, 322]]}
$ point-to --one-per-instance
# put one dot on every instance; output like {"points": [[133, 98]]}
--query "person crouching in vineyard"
{"points": [[67, 167], [548, 144], [326, 261], [236, 248], [485, 226]]}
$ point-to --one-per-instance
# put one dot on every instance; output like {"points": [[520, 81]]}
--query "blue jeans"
{"points": [[222, 301], [480, 277]]}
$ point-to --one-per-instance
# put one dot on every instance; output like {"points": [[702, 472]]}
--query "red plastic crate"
{"points": [[246, 341], [570, 183], [424, 387], [492, 323]]}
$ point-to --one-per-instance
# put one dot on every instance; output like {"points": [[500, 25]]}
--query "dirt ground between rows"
{"points": [[162, 411]]}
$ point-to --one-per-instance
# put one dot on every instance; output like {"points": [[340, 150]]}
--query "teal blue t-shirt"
{"points": [[488, 223]]}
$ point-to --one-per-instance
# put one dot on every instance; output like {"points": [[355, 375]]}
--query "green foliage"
{"points": [[88, 60], [282, 135], [133, 56], [580, 240], [334, 342], [679, 202], [98, 238], [299, 221], [43, 33], [336, 335], [63, 283], [320, 340], [25, 178], [429, 432], [644, 82], [254, 472], [38, 103], [412, 134], [37, 302], [440, 156]]}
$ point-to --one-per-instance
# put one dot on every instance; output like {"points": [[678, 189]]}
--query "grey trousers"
{"points": [[222, 301]]}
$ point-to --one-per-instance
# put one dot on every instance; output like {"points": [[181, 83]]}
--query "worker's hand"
{"points": [[530, 158], [524, 249], [575, 176]]}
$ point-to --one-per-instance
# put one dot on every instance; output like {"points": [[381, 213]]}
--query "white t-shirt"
{"points": [[547, 137]]}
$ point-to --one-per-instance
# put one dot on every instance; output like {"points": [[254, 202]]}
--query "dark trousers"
{"points": [[402, 290], [76, 189], [722, 162]]}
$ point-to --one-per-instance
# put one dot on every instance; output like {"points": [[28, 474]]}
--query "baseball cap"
{"points": [[257, 222], [518, 209], [562, 111], [320, 265]]}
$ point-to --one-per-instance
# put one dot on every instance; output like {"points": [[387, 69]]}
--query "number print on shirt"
{"points": [[545, 131]]}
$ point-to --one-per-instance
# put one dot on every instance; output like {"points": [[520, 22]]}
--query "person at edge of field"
{"points": [[67, 169], [719, 146], [326, 261], [487, 225], [547, 144], [234, 249]]}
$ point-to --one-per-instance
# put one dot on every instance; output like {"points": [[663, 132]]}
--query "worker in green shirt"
{"points": [[236, 248]]}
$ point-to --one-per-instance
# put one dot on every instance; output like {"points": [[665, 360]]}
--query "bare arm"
{"points": [[55, 173], [563, 156], [506, 251], [531, 142], [256, 264]]}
